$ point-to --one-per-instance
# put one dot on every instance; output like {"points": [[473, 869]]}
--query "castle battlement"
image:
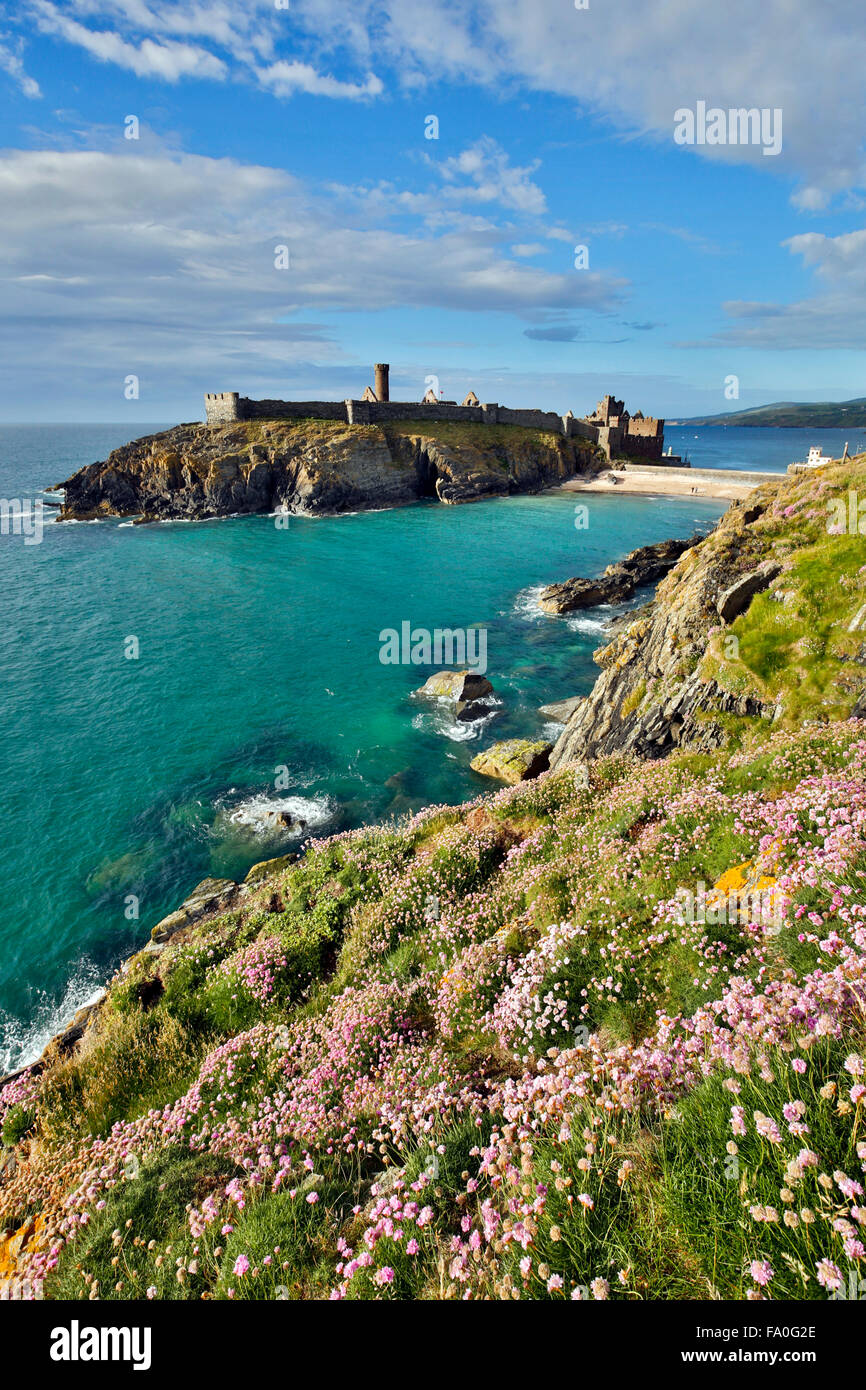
{"points": [[610, 427]]}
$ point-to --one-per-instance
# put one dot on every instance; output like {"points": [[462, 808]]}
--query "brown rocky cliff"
{"points": [[317, 467], [652, 694]]}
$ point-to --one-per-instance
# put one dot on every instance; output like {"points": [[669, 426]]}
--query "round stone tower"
{"points": [[382, 369]]}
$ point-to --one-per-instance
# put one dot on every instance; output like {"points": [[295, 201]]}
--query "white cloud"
{"points": [[835, 317], [285, 79], [164, 266], [168, 61], [144, 39], [633, 65], [492, 178], [637, 63], [11, 63]]}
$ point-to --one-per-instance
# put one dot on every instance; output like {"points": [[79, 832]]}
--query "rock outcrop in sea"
{"points": [[318, 467], [618, 581], [513, 760]]}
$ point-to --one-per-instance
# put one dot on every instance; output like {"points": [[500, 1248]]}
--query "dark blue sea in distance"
{"points": [[259, 649]]}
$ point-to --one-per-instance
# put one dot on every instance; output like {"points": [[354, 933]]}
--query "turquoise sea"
{"points": [[257, 688]]}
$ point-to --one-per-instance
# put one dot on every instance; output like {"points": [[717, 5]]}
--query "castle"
{"points": [[617, 433]]}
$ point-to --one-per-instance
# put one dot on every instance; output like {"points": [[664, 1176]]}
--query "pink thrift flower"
{"points": [[829, 1275], [761, 1271]]}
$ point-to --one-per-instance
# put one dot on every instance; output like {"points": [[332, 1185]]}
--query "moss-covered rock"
{"points": [[514, 760], [211, 895], [266, 868]]}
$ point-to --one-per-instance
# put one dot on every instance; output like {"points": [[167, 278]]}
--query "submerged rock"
{"points": [[514, 760]]}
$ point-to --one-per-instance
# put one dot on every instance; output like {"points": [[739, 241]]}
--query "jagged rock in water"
{"points": [[459, 686], [574, 594], [561, 710], [465, 711], [619, 581]]}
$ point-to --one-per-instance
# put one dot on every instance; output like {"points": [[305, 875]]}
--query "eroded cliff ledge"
{"points": [[757, 625], [318, 467]]}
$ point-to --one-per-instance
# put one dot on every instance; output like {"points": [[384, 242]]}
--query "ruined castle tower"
{"points": [[382, 369]]}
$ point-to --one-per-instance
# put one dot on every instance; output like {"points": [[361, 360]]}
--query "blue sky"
{"points": [[305, 126]]}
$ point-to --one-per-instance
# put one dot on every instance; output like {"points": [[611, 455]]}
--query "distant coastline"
{"points": [[828, 415]]}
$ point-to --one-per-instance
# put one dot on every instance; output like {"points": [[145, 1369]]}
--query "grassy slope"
{"points": [[447, 431], [794, 646], [488, 1053]]}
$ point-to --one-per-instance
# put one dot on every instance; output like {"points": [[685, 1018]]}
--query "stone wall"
{"points": [[531, 419], [226, 406], [644, 437], [289, 410], [642, 445], [646, 425]]}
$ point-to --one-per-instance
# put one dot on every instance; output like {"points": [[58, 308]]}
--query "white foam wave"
{"points": [[552, 729], [24, 1042], [579, 622], [260, 813], [441, 721], [526, 604]]}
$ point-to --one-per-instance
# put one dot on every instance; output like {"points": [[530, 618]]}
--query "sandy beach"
{"points": [[672, 482]]}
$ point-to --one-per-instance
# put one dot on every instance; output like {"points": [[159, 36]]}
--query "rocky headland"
{"points": [[319, 467]]}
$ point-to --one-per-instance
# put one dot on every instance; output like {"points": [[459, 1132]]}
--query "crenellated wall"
{"points": [[647, 426], [221, 407], [643, 436]]}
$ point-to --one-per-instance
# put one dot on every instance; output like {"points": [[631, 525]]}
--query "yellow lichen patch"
{"points": [[734, 878], [26, 1240], [756, 895]]}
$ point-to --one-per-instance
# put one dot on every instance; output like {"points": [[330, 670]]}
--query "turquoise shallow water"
{"points": [[259, 651]]}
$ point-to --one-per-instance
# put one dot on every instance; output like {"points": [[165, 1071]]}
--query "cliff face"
{"points": [[757, 623], [317, 467]]}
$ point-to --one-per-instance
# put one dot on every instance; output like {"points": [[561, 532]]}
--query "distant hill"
{"points": [[807, 414]]}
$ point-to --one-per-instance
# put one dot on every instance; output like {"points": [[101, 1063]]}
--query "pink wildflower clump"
{"points": [[254, 969]]}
